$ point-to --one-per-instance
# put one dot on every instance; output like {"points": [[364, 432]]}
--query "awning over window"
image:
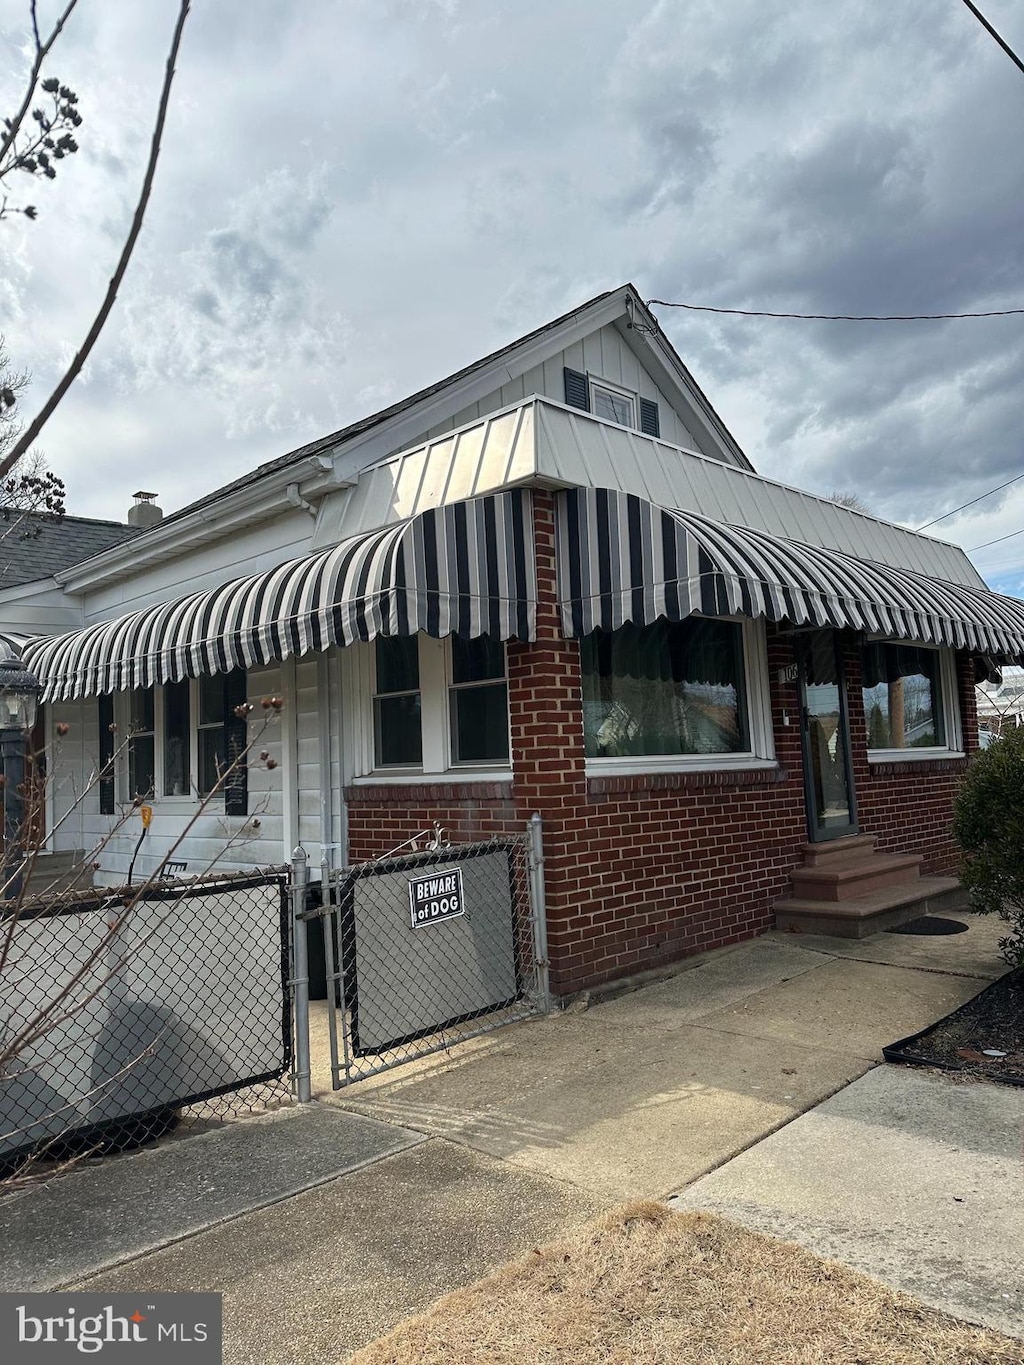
{"points": [[621, 559], [11, 645], [467, 568]]}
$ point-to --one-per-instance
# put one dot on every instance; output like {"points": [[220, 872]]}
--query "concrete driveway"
{"points": [[464, 1162]]}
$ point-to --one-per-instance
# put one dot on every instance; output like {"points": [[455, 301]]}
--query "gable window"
{"points": [[612, 404], [686, 691], [437, 704], [909, 694], [183, 736], [590, 393]]}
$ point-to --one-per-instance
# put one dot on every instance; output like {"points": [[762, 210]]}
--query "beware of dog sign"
{"points": [[436, 897]]}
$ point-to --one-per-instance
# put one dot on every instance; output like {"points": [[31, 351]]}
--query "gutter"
{"points": [[176, 535]]}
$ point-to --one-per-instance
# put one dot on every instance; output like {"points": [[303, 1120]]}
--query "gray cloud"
{"points": [[354, 200]]}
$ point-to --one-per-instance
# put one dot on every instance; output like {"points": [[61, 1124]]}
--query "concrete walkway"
{"points": [[641, 1094], [472, 1159], [911, 1176]]}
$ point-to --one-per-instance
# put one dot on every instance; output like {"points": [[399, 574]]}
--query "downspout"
{"points": [[294, 496]]}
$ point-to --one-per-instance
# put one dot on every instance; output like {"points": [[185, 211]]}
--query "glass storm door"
{"points": [[828, 781]]}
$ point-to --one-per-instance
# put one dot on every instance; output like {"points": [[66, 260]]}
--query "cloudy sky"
{"points": [[357, 197]]}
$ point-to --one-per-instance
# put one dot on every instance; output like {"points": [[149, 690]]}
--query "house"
{"points": [[550, 583]]}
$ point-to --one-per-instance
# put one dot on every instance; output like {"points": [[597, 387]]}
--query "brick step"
{"points": [[850, 880], [876, 910], [833, 852]]}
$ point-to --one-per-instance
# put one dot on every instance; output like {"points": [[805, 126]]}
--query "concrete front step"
{"points": [[834, 852], [877, 910], [849, 880]]}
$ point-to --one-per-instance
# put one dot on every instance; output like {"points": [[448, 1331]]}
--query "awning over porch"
{"points": [[468, 568], [621, 558], [12, 645]]}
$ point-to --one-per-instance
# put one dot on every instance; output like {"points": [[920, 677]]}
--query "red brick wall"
{"points": [[641, 871], [908, 806]]}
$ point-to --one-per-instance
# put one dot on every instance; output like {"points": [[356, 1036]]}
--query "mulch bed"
{"points": [[993, 1021]]}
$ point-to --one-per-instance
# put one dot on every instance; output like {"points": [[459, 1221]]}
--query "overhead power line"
{"points": [[1016, 479], [997, 541], [1001, 41], [835, 317]]}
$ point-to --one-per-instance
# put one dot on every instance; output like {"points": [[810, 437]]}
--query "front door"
{"points": [[825, 732]]}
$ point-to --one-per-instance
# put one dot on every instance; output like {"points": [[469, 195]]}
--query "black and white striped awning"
{"points": [[621, 558], [468, 568], [11, 645]]}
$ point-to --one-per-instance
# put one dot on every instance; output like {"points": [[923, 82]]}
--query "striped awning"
{"points": [[468, 568], [621, 558], [11, 645]]}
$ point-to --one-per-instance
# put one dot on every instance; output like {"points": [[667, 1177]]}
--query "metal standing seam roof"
{"points": [[543, 441]]}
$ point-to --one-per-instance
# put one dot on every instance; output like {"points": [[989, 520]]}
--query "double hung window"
{"points": [[183, 736], [437, 704]]}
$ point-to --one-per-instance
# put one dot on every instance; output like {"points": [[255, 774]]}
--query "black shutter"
{"points": [[106, 710], [650, 423], [236, 737], [577, 390]]}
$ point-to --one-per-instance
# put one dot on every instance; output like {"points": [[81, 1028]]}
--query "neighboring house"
{"points": [[551, 583], [1001, 703]]}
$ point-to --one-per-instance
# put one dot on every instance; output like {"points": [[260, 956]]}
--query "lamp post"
{"points": [[19, 698]]}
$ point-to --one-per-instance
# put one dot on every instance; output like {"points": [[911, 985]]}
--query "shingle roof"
{"points": [[325, 443], [33, 546]]}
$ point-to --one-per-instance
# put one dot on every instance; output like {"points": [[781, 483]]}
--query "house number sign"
{"points": [[436, 897]]}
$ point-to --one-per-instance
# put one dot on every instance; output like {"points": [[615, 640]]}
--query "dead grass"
{"points": [[643, 1286]]}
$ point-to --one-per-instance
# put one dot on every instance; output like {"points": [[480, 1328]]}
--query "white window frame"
{"points": [[358, 682], [949, 700], [760, 755], [123, 719], [617, 391]]}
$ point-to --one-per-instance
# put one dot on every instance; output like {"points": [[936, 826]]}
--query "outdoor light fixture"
{"points": [[19, 700], [19, 697]]}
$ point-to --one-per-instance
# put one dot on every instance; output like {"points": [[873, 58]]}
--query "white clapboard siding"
{"points": [[214, 841]]}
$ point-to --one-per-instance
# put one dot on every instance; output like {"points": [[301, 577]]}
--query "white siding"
{"points": [[603, 354], [204, 840], [252, 550]]}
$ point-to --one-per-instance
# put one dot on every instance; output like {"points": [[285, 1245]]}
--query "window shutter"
{"points": [[577, 390], [236, 737], [106, 783], [650, 423]]}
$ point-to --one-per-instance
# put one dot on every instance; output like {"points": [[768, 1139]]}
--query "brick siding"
{"points": [[641, 871]]}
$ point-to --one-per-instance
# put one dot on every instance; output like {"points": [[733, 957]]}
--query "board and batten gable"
{"points": [[602, 355]]}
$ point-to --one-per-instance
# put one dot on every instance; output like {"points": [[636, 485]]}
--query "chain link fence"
{"points": [[125, 1015], [421, 950]]}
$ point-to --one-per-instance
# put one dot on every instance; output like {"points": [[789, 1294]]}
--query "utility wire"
{"points": [[835, 317], [1016, 479], [1001, 41], [997, 541]]}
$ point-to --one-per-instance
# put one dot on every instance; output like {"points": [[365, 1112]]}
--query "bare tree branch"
{"points": [[12, 129], [50, 406]]}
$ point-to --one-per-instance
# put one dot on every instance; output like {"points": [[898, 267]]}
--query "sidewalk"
{"points": [[516, 1137]]}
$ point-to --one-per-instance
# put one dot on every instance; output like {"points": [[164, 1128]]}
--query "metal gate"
{"points": [[429, 946]]}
